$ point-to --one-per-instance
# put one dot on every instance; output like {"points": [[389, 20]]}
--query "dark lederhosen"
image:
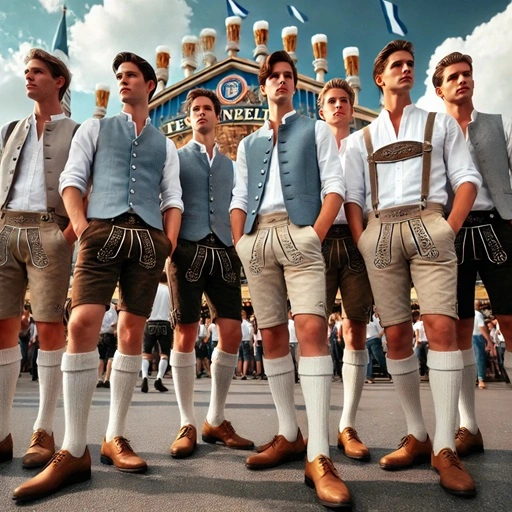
{"points": [[158, 331], [210, 267], [107, 345], [484, 246]]}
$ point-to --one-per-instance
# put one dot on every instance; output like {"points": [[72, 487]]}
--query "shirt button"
{"points": [[132, 191], [134, 167]]}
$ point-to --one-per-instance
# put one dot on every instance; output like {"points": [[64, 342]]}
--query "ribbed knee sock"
{"points": [[80, 373], [145, 368], [406, 378], [315, 380], [184, 373], [354, 371], [162, 367], [50, 387], [445, 380], [9, 371], [467, 410], [122, 384], [281, 381], [223, 365]]}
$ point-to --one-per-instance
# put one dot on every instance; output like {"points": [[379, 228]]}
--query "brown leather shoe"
{"points": [[277, 452], [225, 434], [63, 469], [322, 476], [41, 450], [6, 448], [467, 443], [410, 452], [351, 445], [454, 477], [119, 453], [185, 442]]}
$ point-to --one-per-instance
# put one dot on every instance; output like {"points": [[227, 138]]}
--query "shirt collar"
{"points": [[56, 117], [283, 120], [128, 117], [202, 147]]}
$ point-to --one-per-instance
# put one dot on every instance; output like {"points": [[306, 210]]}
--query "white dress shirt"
{"points": [[484, 200], [373, 329], [109, 321], [28, 192], [399, 183], [341, 218], [81, 157], [331, 176], [247, 331], [202, 148], [479, 321]]}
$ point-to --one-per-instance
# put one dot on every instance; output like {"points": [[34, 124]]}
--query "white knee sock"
{"points": [[281, 381], [80, 373], [507, 363], [184, 373], [50, 387], [162, 368], [445, 380], [406, 377], [354, 371], [145, 368], [223, 365], [122, 384], [9, 371], [315, 380], [467, 410]]}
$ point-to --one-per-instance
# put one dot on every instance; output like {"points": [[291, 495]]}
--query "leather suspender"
{"points": [[426, 163]]}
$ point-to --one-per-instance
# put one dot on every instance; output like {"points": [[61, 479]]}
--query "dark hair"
{"points": [[452, 58], [382, 58], [271, 60], [336, 83], [197, 93], [55, 65], [144, 66]]}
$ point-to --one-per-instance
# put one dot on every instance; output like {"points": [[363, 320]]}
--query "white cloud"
{"points": [[51, 5], [124, 25], [490, 46]]}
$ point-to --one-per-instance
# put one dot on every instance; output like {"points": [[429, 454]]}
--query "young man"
{"points": [[345, 270], [36, 245], [205, 262], [484, 244], [134, 171], [279, 222], [407, 239]]}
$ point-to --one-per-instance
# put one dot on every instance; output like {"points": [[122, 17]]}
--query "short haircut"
{"points": [[144, 66], [452, 58], [381, 60], [336, 83], [197, 93], [55, 65], [271, 60]]}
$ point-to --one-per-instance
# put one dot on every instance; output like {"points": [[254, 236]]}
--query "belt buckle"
{"points": [[45, 217]]}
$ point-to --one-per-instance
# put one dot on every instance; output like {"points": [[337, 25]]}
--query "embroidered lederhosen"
{"points": [[337, 236], [211, 248], [396, 152]]}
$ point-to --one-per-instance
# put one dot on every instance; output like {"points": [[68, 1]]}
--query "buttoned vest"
{"points": [[298, 170], [57, 136], [488, 138], [127, 171], [206, 194]]}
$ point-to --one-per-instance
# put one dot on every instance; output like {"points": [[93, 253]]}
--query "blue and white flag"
{"points": [[395, 25], [60, 41], [235, 9], [297, 14]]}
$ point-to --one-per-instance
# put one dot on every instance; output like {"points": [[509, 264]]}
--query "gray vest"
{"points": [[57, 136], [127, 171], [206, 194], [488, 138], [298, 170]]}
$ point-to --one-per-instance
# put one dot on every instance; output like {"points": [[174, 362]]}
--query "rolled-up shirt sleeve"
{"points": [[81, 156], [355, 171], [240, 192], [459, 164], [329, 164], [170, 186]]}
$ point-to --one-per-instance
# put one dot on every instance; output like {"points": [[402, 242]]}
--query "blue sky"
{"points": [[97, 30]]}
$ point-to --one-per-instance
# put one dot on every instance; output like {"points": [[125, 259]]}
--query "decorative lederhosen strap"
{"points": [[211, 247], [396, 152]]}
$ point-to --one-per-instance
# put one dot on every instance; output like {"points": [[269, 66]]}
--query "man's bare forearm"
{"points": [[354, 215], [329, 211], [75, 208], [172, 225], [237, 218]]}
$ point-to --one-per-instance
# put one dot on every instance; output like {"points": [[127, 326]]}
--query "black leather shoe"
{"points": [[159, 386], [144, 387]]}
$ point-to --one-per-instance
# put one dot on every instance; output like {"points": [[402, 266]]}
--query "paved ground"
{"points": [[215, 478]]}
